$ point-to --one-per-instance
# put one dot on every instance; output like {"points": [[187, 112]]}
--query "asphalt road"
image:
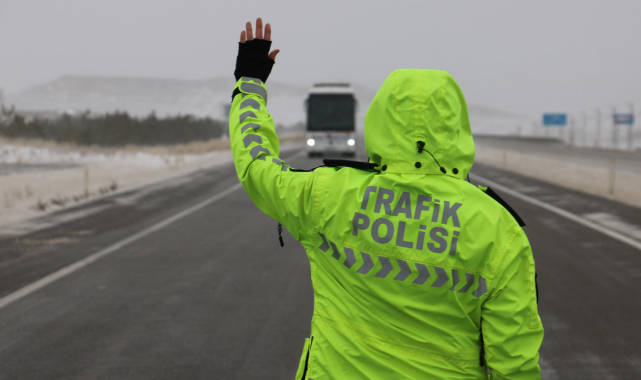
{"points": [[212, 295]]}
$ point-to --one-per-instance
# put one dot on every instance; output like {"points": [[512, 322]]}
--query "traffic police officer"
{"points": [[417, 273]]}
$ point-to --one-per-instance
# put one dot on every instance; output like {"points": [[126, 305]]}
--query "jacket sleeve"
{"points": [[511, 327], [285, 195]]}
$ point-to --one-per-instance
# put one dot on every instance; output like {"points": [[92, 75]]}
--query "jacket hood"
{"points": [[420, 105]]}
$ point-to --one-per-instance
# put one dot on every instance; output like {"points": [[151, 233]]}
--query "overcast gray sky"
{"points": [[523, 57]]}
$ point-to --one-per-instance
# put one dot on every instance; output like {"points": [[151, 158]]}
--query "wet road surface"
{"points": [[212, 295]]}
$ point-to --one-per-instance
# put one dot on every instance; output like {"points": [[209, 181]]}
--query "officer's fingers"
{"points": [[273, 54], [242, 37], [259, 28], [268, 32], [250, 33]]}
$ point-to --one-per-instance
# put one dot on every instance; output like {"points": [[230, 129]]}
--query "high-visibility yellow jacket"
{"points": [[417, 274]]}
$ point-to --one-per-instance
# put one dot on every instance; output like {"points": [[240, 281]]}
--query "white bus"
{"points": [[331, 120]]}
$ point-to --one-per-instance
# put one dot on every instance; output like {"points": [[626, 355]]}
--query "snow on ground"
{"points": [[16, 154], [38, 180]]}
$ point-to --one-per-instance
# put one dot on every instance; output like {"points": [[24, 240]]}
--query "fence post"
{"points": [[571, 131], [86, 181], [613, 169], [597, 138]]}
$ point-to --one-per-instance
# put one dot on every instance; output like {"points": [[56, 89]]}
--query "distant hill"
{"points": [[141, 96], [208, 97]]}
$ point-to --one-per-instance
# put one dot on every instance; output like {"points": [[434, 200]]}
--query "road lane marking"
{"points": [[34, 286], [50, 220], [615, 223], [300, 153], [566, 214], [25, 291]]}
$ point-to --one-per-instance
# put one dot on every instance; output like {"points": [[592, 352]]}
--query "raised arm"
{"points": [[282, 194]]}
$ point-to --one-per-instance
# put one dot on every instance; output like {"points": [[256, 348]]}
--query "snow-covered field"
{"points": [[35, 180]]}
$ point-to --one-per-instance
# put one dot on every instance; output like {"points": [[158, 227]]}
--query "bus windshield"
{"points": [[330, 112]]}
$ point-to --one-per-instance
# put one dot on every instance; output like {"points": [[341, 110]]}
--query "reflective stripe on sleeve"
{"points": [[247, 114], [248, 139], [256, 150], [283, 166], [247, 79], [253, 126], [250, 103], [252, 88]]}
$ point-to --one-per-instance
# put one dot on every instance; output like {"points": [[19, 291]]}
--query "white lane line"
{"points": [[18, 294], [298, 154], [566, 214]]}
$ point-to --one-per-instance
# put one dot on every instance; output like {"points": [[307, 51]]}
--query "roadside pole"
{"points": [[613, 171], [630, 126], [597, 138], [571, 130], [86, 181], [554, 120], [584, 126], [621, 119], [615, 142]]}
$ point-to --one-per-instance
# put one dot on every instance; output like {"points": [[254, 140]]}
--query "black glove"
{"points": [[253, 60]]}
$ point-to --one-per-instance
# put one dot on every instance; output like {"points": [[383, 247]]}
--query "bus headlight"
{"points": [[311, 142], [351, 142]]}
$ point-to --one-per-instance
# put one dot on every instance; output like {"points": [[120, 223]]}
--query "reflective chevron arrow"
{"points": [[248, 139], [247, 114], [454, 279], [367, 264], [387, 267], [350, 259], [482, 289], [470, 281], [405, 271], [442, 277], [423, 274], [325, 246], [336, 254]]}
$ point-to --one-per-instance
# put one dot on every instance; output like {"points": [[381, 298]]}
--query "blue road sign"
{"points": [[555, 119], [623, 118]]}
